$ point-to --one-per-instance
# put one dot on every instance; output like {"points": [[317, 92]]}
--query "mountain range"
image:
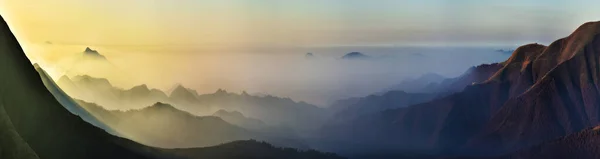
{"points": [[532, 99], [34, 124], [273, 111]]}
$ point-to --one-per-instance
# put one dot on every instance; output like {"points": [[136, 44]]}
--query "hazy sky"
{"points": [[209, 24], [148, 39]]}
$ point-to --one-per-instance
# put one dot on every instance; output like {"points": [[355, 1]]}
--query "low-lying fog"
{"points": [[319, 79]]}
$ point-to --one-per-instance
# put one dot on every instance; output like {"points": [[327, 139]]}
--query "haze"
{"points": [[259, 46]]}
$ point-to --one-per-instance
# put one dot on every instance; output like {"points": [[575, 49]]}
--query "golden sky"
{"points": [[147, 39], [270, 23]]}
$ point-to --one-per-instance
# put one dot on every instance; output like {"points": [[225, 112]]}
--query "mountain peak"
{"points": [[222, 112], [142, 87], [161, 105], [221, 91], [93, 53], [179, 92], [309, 55], [87, 49], [354, 55], [64, 77]]}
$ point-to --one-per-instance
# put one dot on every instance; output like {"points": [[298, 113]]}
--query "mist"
{"points": [[286, 72]]}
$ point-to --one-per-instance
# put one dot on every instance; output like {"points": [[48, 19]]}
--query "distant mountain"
{"points": [[355, 55], [101, 91], [182, 94], [434, 83], [93, 54], [237, 118], [508, 51], [355, 107], [309, 55], [273, 111], [426, 83], [89, 62], [157, 125]]}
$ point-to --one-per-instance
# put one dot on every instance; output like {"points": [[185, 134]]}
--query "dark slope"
{"points": [[582, 145], [252, 150], [43, 123], [563, 100], [12, 146]]}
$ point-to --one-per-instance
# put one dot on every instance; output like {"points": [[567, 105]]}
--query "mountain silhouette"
{"points": [[34, 124], [237, 118], [156, 124], [309, 55], [89, 53], [181, 93], [355, 55], [426, 83], [273, 111], [354, 107], [101, 91]]}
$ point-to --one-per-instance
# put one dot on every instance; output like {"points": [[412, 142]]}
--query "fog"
{"points": [[284, 72]]}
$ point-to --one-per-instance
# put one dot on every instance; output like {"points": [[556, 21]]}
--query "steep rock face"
{"points": [[562, 101]]}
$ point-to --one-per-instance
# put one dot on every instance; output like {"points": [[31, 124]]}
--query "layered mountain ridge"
{"points": [[539, 94], [34, 124]]}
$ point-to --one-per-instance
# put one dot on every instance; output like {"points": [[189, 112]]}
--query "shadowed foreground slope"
{"points": [[33, 124]]}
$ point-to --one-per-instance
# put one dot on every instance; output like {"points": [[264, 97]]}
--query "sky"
{"points": [[211, 24], [259, 45]]}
